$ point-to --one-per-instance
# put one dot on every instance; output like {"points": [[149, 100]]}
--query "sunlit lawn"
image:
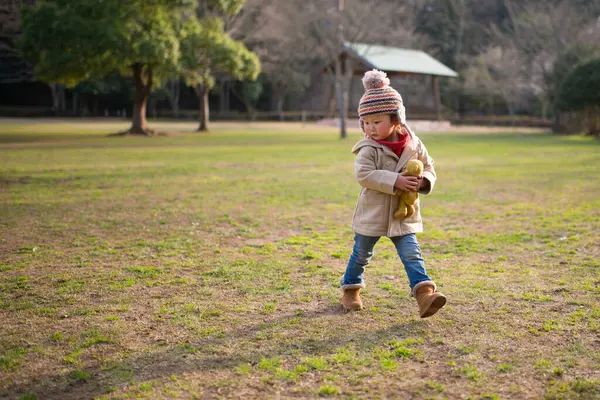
{"points": [[208, 265]]}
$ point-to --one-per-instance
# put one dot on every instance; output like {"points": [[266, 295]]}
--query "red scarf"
{"points": [[398, 146]]}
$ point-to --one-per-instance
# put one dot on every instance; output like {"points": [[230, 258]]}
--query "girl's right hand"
{"points": [[407, 183]]}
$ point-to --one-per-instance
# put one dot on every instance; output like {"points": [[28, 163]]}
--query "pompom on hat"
{"points": [[380, 97]]}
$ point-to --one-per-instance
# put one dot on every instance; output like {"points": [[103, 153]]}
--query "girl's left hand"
{"points": [[423, 183]]}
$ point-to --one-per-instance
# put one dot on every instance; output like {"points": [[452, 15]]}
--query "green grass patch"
{"points": [[12, 359], [208, 265], [328, 390]]}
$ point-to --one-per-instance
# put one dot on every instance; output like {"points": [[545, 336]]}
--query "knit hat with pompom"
{"points": [[380, 97]]}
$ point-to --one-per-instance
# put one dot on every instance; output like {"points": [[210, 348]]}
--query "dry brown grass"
{"points": [[207, 266]]}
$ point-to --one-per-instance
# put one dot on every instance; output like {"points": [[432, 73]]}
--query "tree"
{"points": [[580, 93], [365, 21], [498, 73], [455, 31], [565, 63], [546, 31], [206, 51], [83, 92], [445, 23], [274, 31], [172, 89], [71, 41]]}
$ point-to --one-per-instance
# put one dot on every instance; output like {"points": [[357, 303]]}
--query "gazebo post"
{"points": [[340, 89], [331, 101], [394, 61], [435, 86]]}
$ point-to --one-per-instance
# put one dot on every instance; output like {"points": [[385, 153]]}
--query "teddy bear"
{"points": [[406, 208]]}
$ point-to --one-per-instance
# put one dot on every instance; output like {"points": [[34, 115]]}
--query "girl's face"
{"points": [[379, 127]]}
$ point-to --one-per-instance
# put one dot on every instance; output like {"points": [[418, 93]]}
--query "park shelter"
{"points": [[396, 62]]}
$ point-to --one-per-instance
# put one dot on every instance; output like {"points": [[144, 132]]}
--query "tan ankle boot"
{"points": [[351, 300], [428, 299]]}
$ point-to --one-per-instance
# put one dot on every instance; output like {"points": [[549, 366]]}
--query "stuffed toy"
{"points": [[406, 208]]}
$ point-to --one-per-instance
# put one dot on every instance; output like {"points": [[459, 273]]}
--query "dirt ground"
{"points": [[326, 124]]}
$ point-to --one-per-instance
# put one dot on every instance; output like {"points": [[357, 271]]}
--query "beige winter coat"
{"points": [[376, 167]]}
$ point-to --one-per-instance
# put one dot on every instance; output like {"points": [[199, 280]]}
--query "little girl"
{"points": [[380, 157]]}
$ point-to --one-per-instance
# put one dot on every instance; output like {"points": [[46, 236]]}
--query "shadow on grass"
{"points": [[174, 361], [148, 133]]}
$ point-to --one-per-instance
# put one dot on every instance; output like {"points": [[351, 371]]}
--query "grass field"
{"points": [[207, 266]]}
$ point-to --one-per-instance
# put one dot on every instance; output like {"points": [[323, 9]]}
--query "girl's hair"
{"points": [[398, 127]]}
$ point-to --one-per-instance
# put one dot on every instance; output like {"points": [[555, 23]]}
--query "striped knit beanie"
{"points": [[380, 97]]}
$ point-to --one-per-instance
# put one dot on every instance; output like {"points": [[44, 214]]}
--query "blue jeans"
{"points": [[407, 247]]}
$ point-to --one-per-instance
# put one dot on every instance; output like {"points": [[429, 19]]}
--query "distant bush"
{"points": [[579, 95]]}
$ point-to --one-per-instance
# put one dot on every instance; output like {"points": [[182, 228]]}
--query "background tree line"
{"points": [[513, 56]]}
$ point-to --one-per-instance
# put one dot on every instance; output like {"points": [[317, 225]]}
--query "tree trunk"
{"points": [[435, 87], [339, 81], [227, 96], [592, 120], [248, 101], [85, 105], [202, 91], [341, 67], [173, 89], [351, 90], [460, 10], [596, 111], [139, 125], [544, 108], [75, 105], [347, 79], [279, 99], [331, 101], [222, 89], [250, 111], [58, 97], [557, 125]]}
